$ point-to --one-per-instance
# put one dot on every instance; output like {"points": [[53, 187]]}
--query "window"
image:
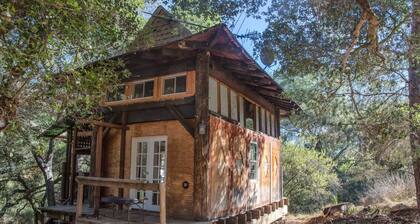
{"points": [[224, 107], [176, 84], [249, 114], [212, 94], [258, 122], [143, 89], [253, 161], [117, 94], [263, 127], [233, 105]]}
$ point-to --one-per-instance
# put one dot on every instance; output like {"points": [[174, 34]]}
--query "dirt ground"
{"points": [[399, 215]]}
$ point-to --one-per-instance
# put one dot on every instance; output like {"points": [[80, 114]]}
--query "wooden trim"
{"points": [[117, 183], [229, 101], [73, 166], [181, 119], [201, 142], [219, 101], [122, 150], [98, 167], [99, 123]]}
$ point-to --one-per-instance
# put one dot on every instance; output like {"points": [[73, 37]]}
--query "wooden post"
{"points": [[98, 168], [67, 167], [122, 152], [73, 166], [79, 206], [162, 201], [92, 166], [200, 200]]}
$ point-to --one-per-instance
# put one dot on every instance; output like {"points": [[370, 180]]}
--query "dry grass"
{"points": [[391, 190]]}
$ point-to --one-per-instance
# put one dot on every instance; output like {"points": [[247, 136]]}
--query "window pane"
{"points": [[169, 86], [148, 91], [156, 148], [162, 146], [138, 90], [181, 84]]}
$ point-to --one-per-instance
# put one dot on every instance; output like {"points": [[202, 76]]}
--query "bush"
{"points": [[309, 180]]}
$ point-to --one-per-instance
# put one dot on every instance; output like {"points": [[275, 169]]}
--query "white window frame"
{"points": [[213, 100], [174, 76], [224, 103], [133, 84]]}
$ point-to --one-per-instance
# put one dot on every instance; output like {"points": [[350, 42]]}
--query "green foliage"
{"points": [[309, 178], [48, 72]]}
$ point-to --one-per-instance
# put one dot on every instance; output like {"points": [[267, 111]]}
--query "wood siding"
{"points": [[180, 165], [230, 190]]}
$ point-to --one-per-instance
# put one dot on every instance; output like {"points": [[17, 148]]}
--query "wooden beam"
{"points": [[98, 167], [177, 114], [123, 106], [122, 151], [162, 204], [79, 206], [100, 123], [201, 141], [117, 183], [73, 167]]}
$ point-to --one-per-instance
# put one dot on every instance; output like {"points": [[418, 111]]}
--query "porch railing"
{"points": [[120, 183]]}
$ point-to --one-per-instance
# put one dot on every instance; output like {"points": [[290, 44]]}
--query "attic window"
{"points": [[143, 89], [117, 94], [177, 84]]}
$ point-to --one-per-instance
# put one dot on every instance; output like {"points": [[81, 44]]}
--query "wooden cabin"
{"points": [[198, 121]]}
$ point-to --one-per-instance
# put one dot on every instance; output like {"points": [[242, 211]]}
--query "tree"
{"points": [[414, 94], [47, 50]]}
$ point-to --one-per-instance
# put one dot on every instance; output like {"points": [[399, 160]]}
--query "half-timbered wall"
{"points": [[230, 189]]}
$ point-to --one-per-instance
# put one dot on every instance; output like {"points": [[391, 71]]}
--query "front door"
{"points": [[148, 163]]}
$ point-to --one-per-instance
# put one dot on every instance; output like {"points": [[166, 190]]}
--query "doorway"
{"points": [[148, 163]]}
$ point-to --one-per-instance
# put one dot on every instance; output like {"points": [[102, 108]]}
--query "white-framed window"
{"points": [[212, 94], [117, 94], [253, 161], [263, 124], [272, 125], [143, 88], [224, 104], [233, 105], [175, 84]]}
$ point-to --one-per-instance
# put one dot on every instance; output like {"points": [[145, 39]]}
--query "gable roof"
{"points": [[160, 29]]}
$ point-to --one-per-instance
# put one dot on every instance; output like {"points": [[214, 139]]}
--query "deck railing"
{"points": [[120, 183]]}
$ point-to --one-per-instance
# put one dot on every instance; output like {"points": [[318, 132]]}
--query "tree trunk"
{"points": [[414, 96], [48, 175]]}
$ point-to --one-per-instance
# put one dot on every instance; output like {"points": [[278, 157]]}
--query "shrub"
{"points": [[309, 180]]}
